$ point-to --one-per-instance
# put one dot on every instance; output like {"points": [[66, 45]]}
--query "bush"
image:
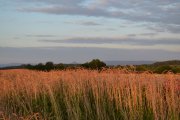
{"points": [[60, 66], [141, 68], [94, 64], [162, 69]]}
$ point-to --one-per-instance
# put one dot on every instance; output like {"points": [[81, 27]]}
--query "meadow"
{"points": [[80, 94]]}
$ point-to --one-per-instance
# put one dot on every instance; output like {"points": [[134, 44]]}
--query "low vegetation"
{"points": [[96, 64], [82, 94]]}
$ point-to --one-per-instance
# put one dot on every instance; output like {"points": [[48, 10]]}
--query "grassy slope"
{"points": [[88, 95]]}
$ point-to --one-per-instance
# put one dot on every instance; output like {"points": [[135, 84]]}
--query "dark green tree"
{"points": [[141, 68], [28, 66], [49, 66], [94, 64], [39, 66], [85, 65], [163, 69], [59, 66]]}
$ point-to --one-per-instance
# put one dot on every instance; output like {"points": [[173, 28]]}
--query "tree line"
{"points": [[95, 64]]}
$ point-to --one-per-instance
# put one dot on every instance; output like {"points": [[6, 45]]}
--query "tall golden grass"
{"points": [[88, 95]]}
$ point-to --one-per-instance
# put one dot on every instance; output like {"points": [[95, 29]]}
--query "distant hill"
{"points": [[170, 62], [128, 62], [10, 65], [109, 63]]}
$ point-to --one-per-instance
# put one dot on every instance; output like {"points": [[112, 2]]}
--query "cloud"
{"points": [[16, 38], [165, 11], [81, 55], [90, 23], [164, 14], [111, 29], [67, 10], [125, 41], [164, 28], [85, 23], [40, 36], [148, 34], [131, 35], [53, 2]]}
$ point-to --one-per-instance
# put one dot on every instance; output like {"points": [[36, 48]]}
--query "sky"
{"points": [[33, 31]]}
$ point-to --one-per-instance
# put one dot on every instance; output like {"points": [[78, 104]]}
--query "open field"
{"points": [[88, 95]]}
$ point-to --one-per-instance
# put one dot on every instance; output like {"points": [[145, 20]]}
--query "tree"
{"points": [[141, 68], [39, 66], [164, 68], [60, 66], [85, 65], [49, 66], [94, 64], [29, 66]]}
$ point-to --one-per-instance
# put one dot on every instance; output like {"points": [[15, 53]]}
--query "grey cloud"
{"points": [[54, 2], [156, 28], [85, 23], [70, 54], [122, 26], [111, 29], [67, 10], [148, 34], [163, 12], [172, 28], [126, 41], [40, 35], [90, 23], [135, 10], [16, 38], [142, 34], [131, 35]]}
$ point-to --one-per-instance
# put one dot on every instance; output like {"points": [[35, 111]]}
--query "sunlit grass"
{"points": [[88, 95]]}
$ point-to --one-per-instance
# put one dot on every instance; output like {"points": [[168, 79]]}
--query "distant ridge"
{"points": [[111, 63], [129, 62], [10, 65], [170, 62]]}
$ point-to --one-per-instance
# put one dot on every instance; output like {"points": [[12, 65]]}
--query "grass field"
{"points": [[88, 95]]}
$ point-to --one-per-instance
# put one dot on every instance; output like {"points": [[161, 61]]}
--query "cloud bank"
{"points": [[70, 54], [126, 41], [160, 15], [163, 11]]}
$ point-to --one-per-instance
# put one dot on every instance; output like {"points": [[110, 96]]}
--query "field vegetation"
{"points": [[81, 94], [96, 64]]}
